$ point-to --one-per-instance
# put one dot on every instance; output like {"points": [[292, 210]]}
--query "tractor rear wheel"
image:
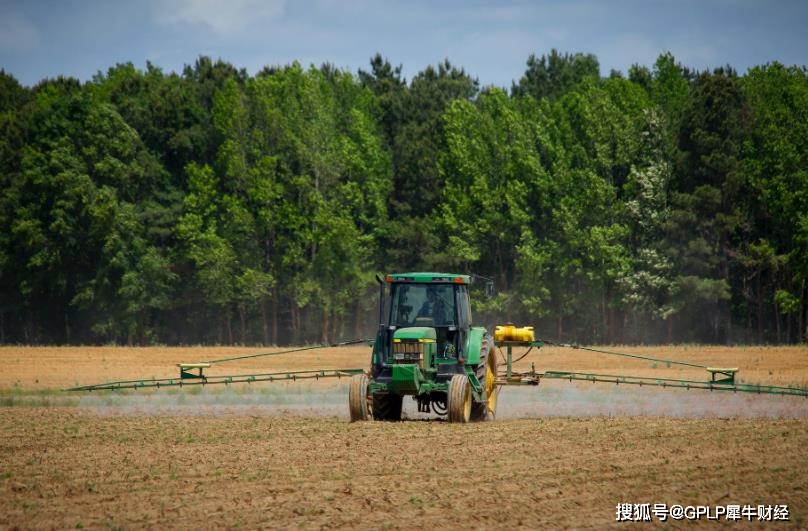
{"points": [[387, 406], [459, 399], [358, 397], [487, 375]]}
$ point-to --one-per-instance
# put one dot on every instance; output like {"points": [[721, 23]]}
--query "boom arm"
{"points": [[722, 379]]}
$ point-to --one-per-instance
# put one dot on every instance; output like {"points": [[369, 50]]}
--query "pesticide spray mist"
{"points": [[550, 399]]}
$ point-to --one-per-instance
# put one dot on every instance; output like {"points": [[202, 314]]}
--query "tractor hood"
{"points": [[423, 334]]}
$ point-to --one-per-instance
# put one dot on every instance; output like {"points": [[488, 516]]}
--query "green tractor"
{"points": [[427, 348]]}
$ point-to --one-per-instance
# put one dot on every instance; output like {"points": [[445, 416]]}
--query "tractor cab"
{"points": [[426, 318], [440, 306]]}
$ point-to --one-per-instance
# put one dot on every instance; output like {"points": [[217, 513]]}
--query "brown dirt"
{"points": [[284, 455], [59, 367]]}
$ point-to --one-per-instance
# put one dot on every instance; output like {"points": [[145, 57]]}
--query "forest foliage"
{"points": [[210, 206]]}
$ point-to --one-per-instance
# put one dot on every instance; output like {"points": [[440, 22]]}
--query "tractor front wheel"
{"points": [[358, 397], [487, 375], [459, 399], [387, 406]]}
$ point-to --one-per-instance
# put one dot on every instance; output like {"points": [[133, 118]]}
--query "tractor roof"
{"points": [[428, 278]]}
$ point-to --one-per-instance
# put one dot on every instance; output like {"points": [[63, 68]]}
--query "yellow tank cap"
{"points": [[504, 332], [510, 332], [525, 333]]}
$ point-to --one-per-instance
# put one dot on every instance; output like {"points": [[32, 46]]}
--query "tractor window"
{"points": [[423, 305], [463, 308], [401, 305]]}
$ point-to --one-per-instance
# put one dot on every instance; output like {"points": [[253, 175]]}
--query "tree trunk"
{"points": [[26, 326], [357, 320], [777, 322], [727, 306], [294, 312], [613, 330], [326, 325], [759, 303], [242, 317], [604, 317], [264, 322], [229, 322], [748, 311], [803, 332], [669, 322], [143, 324], [789, 318], [275, 304]]}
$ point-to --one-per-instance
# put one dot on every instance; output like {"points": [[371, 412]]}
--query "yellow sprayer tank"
{"points": [[510, 332]]}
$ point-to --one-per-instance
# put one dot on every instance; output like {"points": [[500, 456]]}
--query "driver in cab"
{"points": [[433, 307]]}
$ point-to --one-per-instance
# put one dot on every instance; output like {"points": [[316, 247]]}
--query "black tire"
{"points": [[387, 406], [487, 376], [358, 398], [459, 399]]}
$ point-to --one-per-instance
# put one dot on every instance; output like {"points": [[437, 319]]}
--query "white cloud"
{"points": [[17, 34], [224, 18]]}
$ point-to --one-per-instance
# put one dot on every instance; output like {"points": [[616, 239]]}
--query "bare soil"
{"points": [[562, 455], [60, 367]]}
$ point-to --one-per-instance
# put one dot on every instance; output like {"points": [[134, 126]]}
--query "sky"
{"points": [[491, 40]]}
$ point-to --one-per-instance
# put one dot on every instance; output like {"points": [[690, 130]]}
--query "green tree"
{"points": [[418, 146], [711, 200], [489, 161], [648, 289], [553, 75], [390, 88], [776, 160], [327, 187]]}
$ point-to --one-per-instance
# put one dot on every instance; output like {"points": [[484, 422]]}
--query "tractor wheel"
{"points": [[358, 397], [387, 406], [487, 375], [459, 399]]}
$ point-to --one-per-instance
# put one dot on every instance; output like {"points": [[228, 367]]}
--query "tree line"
{"points": [[210, 206]]}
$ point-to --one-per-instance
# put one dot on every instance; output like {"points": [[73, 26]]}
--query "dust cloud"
{"points": [[583, 399], [273, 399], [550, 399]]}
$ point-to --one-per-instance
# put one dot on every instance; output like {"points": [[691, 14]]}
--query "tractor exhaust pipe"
{"points": [[381, 301]]}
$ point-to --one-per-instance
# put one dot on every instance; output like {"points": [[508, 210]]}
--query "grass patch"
{"points": [[17, 396]]}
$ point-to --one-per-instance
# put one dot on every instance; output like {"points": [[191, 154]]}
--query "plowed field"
{"points": [[562, 455]]}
